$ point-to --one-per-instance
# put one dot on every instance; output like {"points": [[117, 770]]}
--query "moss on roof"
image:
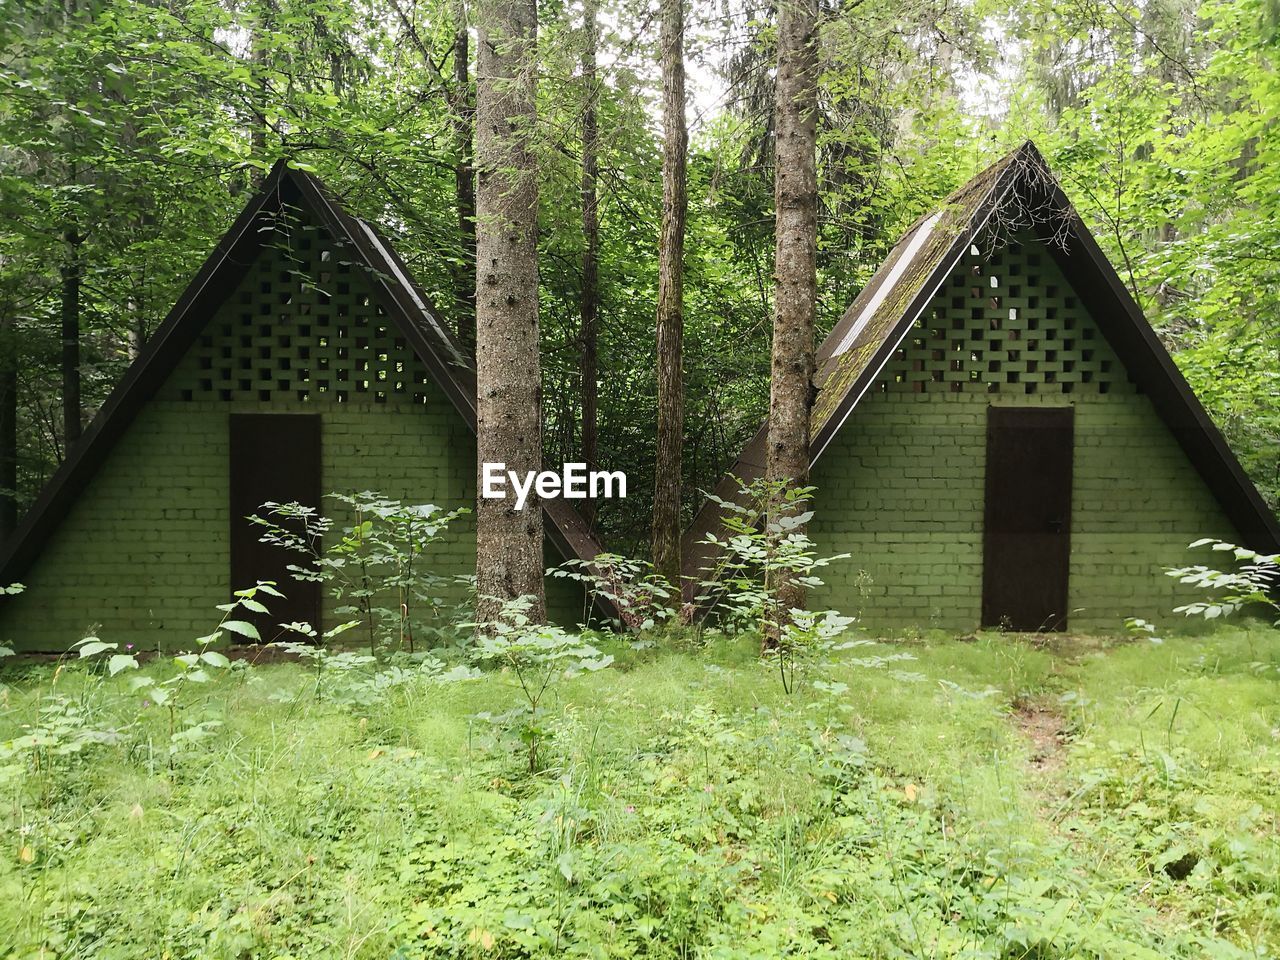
{"points": [[956, 216]]}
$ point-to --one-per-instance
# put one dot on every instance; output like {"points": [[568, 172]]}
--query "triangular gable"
{"points": [[1020, 189], [397, 294]]}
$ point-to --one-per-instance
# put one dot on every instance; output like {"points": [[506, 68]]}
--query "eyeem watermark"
{"points": [[574, 482]]}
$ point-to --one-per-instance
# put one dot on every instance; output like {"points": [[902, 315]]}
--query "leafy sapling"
{"points": [[806, 636], [1254, 583], [759, 554], [376, 568], [191, 667], [313, 649], [642, 596], [539, 655]]}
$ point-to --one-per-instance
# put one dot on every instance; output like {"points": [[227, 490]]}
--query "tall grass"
{"points": [[686, 807]]}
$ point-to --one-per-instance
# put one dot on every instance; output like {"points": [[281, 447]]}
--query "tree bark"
{"points": [[590, 304], [137, 328], [8, 428], [260, 61], [508, 373], [795, 261], [670, 322], [70, 315], [464, 179]]}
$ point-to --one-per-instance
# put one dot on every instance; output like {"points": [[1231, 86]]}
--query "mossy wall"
{"points": [[143, 555], [901, 487]]}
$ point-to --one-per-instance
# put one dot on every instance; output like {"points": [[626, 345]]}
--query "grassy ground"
{"points": [[989, 798]]}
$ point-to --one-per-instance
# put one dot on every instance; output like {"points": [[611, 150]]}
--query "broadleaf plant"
{"points": [[376, 568], [1253, 584], [539, 655]]}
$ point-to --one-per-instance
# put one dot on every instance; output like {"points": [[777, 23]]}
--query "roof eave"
{"points": [[225, 266], [1096, 282]]}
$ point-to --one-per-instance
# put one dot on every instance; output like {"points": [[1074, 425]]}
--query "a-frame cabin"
{"points": [[999, 438], [302, 359]]}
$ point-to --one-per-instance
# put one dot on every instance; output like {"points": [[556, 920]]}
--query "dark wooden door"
{"points": [[1027, 526], [274, 457]]}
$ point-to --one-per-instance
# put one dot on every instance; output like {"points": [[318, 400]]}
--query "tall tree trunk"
{"points": [[464, 179], [137, 328], [795, 260], [508, 373], [71, 276], [670, 325], [590, 305], [260, 59], [8, 428]]}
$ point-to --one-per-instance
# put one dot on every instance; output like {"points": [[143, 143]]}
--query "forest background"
{"points": [[131, 133]]}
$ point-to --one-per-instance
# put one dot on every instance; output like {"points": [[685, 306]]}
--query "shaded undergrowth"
{"points": [[685, 807]]}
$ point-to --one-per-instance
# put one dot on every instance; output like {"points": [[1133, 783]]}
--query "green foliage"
{"points": [[760, 551], [1251, 585], [190, 670], [685, 805], [540, 656], [1172, 775], [377, 566], [643, 596], [314, 649], [803, 637]]}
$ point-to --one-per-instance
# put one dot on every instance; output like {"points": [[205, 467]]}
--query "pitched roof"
{"points": [[396, 292], [1021, 190]]}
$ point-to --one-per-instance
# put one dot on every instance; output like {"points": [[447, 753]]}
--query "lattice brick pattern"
{"points": [[1006, 322], [303, 326]]}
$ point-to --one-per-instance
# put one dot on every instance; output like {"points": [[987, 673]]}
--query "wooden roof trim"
{"points": [[1006, 181], [224, 268], [1094, 279]]}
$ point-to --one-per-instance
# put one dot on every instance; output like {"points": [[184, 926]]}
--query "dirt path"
{"points": [[1045, 730]]}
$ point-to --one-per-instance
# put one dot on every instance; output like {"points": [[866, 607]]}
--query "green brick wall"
{"points": [[902, 485], [143, 556]]}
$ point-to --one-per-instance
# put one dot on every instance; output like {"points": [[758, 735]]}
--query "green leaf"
{"points": [[121, 661], [254, 605], [340, 629], [95, 646], [242, 628], [215, 659]]}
